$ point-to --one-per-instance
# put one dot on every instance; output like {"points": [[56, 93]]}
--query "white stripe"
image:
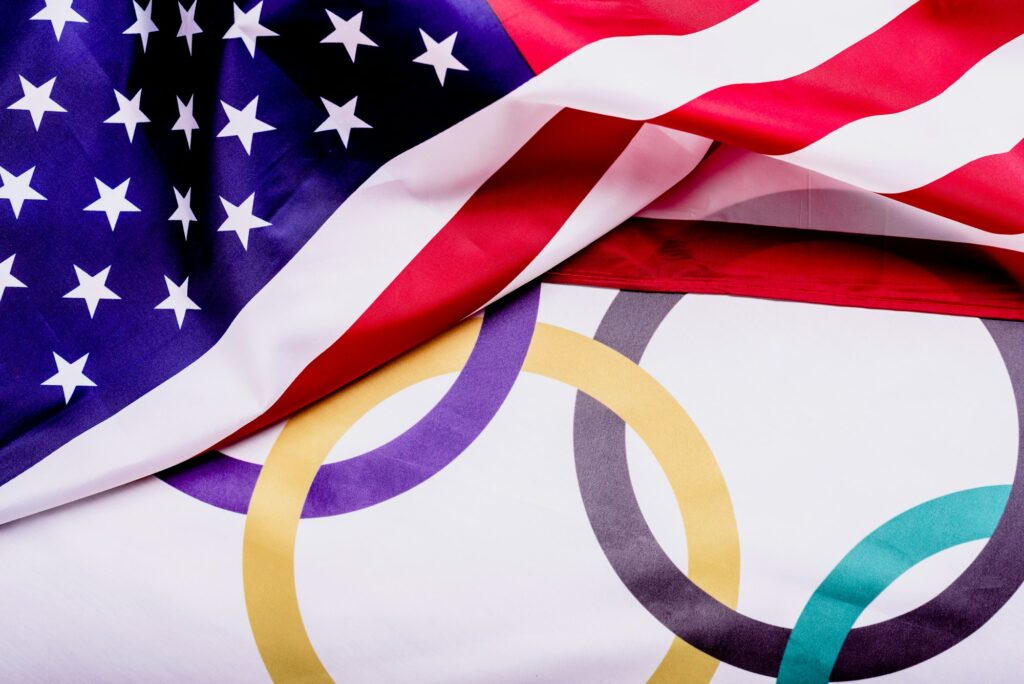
{"points": [[644, 77], [982, 113], [378, 230], [736, 186]]}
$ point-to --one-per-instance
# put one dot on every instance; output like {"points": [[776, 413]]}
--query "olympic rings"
{"points": [[697, 617], [280, 492], [821, 638]]}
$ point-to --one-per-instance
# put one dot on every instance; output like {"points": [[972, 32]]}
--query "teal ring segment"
{"points": [[875, 563]]}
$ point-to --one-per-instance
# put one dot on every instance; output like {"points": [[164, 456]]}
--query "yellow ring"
{"points": [[559, 354]]}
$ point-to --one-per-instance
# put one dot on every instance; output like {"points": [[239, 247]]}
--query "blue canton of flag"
{"points": [[162, 161]]}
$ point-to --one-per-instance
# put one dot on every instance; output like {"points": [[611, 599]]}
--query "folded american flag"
{"points": [[221, 212]]}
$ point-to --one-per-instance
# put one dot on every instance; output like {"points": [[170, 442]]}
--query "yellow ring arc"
{"points": [[556, 353]]}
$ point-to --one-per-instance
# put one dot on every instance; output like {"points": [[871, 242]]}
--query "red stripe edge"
{"points": [[822, 267]]}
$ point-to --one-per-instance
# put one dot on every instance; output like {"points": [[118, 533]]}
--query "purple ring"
{"points": [[409, 459]]}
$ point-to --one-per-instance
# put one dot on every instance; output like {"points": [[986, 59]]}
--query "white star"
{"points": [[128, 113], [36, 100], [186, 120], [348, 33], [243, 123], [143, 25], [113, 201], [184, 211], [241, 219], [189, 27], [177, 300], [91, 288], [16, 189], [58, 13], [247, 27], [341, 119], [6, 279], [439, 55], [69, 376]]}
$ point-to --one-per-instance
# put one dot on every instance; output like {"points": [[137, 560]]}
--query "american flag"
{"points": [[162, 162], [220, 212]]}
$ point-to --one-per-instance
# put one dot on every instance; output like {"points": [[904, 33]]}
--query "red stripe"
{"points": [[491, 239], [545, 31], [908, 61], [986, 193], [803, 265]]}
